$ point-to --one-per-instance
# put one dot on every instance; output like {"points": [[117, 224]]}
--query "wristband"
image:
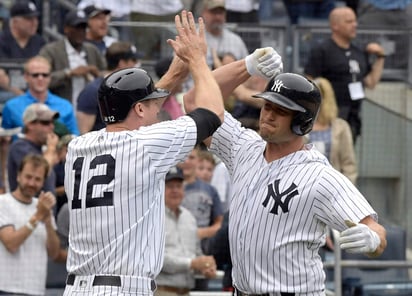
{"points": [[31, 226], [381, 56]]}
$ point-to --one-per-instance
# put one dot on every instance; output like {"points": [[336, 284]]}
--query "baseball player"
{"points": [[115, 177], [285, 193]]}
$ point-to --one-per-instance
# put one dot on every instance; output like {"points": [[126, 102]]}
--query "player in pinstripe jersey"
{"points": [[115, 177], [285, 193]]}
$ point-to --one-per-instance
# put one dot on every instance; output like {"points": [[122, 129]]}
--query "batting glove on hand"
{"points": [[264, 62], [359, 239]]}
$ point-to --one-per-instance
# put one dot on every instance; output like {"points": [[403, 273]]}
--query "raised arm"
{"points": [[264, 62], [190, 47]]}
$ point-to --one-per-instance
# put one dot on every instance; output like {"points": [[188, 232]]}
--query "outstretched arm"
{"points": [[264, 62], [190, 47]]}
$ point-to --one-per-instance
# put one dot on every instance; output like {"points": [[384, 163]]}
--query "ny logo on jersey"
{"points": [[277, 85], [273, 191]]}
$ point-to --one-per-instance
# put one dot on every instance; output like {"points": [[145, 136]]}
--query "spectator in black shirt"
{"points": [[21, 40]]}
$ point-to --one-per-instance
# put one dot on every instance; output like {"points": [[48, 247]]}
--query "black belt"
{"points": [[99, 280], [240, 293]]}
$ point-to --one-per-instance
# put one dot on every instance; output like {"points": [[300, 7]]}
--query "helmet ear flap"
{"points": [[302, 124]]}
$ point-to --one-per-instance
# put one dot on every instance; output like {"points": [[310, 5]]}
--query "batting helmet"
{"points": [[295, 92], [122, 89]]}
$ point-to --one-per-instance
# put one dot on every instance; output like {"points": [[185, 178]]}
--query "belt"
{"points": [[99, 280], [240, 293], [173, 289]]}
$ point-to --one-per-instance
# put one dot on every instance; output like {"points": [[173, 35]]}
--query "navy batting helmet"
{"points": [[295, 92], [122, 89]]}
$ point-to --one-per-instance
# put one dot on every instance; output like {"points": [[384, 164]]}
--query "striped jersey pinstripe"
{"points": [[127, 236], [274, 243]]}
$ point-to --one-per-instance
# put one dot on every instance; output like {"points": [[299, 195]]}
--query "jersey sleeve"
{"points": [[340, 200], [229, 138]]}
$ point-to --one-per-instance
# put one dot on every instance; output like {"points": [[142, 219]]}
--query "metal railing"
{"points": [[338, 264]]}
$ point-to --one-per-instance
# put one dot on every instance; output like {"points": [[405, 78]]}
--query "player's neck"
{"points": [[274, 151]]}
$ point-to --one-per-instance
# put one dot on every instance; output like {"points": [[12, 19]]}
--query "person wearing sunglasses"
{"points": [[38, 138], [37, 75]]}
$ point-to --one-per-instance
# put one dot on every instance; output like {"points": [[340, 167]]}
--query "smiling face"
{"points": [[37, 75], [30, 180]]}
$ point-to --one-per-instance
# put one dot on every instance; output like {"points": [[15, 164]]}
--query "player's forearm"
{"points": [[174, 77], [207, 93], [244, 95], [380, 230], [228, 77]]}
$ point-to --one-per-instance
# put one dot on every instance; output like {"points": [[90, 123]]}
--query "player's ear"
{"points": [[138, 108]]}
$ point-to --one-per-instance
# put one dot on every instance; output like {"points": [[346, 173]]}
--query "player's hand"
{"points": [[359, 238], [190, 44], [264, 62]]}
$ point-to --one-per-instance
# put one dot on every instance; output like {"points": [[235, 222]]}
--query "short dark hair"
{"points": [[120, 50], [36, 160]]}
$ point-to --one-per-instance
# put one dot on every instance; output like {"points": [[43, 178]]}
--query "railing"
{"points": [[338, 264]]}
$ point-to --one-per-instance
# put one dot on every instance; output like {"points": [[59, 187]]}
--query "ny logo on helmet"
{"points": [[277, 85]]}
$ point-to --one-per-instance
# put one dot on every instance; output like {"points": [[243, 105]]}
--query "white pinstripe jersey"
{"points": [[279, 212], [115, 188]]}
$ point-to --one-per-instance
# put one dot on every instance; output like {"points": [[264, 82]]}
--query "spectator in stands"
{"points": [[171, 106], [346, 66], [151, 39], [183, 257], [217, 36], [74, 62], [120, 11], [38, 132], [98, 20], [119, 55], [203, 201], [21, 40], [37, 75], [27, 231], [332, 135], [206, 165], [308, 9]]}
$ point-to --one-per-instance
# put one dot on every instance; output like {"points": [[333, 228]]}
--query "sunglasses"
{"points": [[36, 75], [43, 122]]}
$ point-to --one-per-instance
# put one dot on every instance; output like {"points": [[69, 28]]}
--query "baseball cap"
{"points": [[92, 11], [174, 173], [212, 4], [24, 8], [75, 18], [39, 111]]}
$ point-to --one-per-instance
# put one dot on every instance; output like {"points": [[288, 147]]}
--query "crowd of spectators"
{"points": [[57, 101]]}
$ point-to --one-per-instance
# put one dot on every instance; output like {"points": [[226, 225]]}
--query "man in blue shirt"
{"points": [[37, 75]]}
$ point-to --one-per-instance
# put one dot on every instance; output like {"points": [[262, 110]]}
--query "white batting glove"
{"points": [[264, 62], [359, 239]]}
